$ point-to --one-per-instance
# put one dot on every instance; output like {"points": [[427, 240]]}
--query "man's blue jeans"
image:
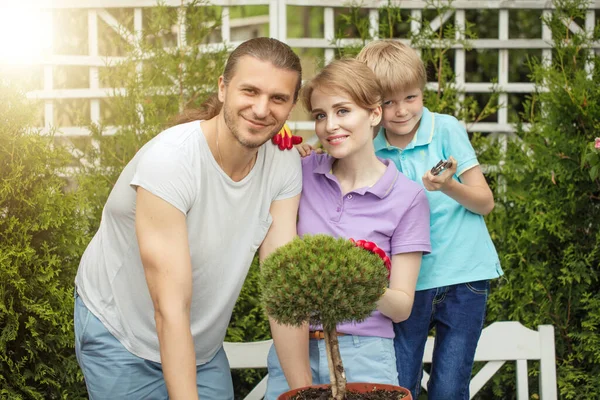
{"points": [[457, 312], [112, 372]]}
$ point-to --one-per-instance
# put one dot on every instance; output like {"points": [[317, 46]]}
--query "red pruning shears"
{"points": [[284, 138]]}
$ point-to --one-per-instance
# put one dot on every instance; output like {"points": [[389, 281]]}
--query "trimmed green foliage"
{"points": [[40, 244], [546, 222], [321, 280]]}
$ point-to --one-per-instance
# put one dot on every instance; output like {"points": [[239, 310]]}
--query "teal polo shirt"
{"points": [[461, 248]]}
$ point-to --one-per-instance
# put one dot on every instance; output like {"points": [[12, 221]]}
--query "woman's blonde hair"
{"points": [[397, 66], [348, 76]]}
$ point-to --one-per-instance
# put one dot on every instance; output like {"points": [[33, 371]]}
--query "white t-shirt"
{"points": [[226, 221]]}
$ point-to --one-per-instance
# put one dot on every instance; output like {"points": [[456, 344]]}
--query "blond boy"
{"points": [[453, 284]]}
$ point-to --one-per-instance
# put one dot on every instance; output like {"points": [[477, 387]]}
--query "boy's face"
{"points": [[402, 112]]}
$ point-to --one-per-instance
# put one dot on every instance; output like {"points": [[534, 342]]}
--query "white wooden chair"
{"points": [[500, 342], [250, 355], [510, 341]]}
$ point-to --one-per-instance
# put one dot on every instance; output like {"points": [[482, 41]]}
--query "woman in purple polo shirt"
{"points": [[351, 193]]}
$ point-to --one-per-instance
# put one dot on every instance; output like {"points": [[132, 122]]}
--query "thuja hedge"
{"points": [[546, 222], [41, 240]]}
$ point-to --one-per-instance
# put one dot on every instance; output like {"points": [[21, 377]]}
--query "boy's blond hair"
{"points": [[397, 66]]}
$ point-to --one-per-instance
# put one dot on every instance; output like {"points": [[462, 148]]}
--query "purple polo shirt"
{"points": [[393, 213]]}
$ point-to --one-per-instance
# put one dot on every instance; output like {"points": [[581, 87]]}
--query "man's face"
{"points": [[257, 101]]}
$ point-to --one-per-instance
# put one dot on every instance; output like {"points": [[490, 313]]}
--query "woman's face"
{"points": [[343, 127]]}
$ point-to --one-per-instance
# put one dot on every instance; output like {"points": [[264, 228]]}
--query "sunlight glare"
{"points": [[25, 35]]}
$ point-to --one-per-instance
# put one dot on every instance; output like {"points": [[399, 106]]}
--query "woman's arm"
{"points": [[397, 301]]}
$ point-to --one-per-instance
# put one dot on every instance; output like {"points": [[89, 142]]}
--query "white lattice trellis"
{"points": [[277, 21]]}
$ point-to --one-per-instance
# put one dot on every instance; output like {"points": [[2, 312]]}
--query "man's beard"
{"points": [[230, 122]]}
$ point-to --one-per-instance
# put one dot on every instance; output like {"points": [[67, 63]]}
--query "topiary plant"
{"points": [[323, 281]]}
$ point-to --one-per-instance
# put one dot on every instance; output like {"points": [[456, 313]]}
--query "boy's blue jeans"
{"points": [[112, 372], [457, 312]]}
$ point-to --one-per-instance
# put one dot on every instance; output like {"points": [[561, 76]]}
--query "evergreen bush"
{"points": [[546, 222], [323, 281], [41, 239]]}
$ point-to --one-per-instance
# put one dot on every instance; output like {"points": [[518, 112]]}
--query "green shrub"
{"points": [[546, 222], [325, 281], [40, 244], [321, 280]]}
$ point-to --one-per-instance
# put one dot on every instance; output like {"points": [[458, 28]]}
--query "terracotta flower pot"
{"points": [[357, 387]]}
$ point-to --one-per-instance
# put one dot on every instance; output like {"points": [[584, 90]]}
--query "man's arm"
{"points": [[162, 237], [291, 343]]}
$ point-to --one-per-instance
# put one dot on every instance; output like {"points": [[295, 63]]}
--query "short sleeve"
{"points": [[292, 176], [457, 145], [412, 233], [166, 172]]}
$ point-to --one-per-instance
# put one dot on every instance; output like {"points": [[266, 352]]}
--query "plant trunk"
{"points": [[337, 376]]}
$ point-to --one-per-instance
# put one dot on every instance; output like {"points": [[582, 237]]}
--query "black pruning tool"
{"points": [[440, 166]]}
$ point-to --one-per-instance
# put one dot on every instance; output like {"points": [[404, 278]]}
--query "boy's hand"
{"points": [[305, 149], [441, 181], [285, 140]]}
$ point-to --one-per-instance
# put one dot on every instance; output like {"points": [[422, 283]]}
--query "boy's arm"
{"points": [[472, 192], [291, 343]]}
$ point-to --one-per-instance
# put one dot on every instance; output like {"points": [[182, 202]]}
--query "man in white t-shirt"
{"points": [[158, 282]]}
